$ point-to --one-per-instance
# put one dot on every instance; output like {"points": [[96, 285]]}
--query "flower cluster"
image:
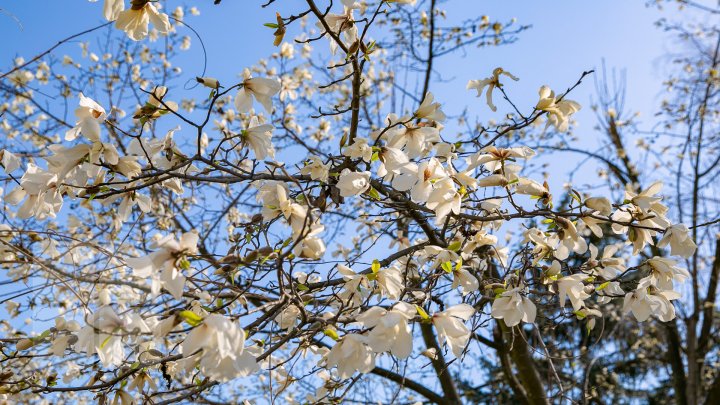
{"points": [[253, 237]]}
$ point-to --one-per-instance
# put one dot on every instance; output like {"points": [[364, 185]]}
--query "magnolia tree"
{"points": [[318, 230]]}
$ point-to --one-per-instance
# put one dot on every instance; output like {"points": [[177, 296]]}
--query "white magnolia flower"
{"points": [[414, 140], [273, 195], [393, 124], [129, 200], [317, 170], [558, 112], [501, 254], [531, 187], [610, 291], [544, 244], [593, 225], [89, 117], [465, 178], [390, 282], [445, 150], [430, 110], [221, 343], [491, 205], [589, 314], [62, 341], [350, 354], [259, 138], [440, 257], [40, 188], [359, 150], [646, 199], [393, 161], [494, 180], [492, 158], [10, 161], [507, 174], [128, 166], [451, 328], [390, 330], [356, 285], [60, 344], [551, 273], [465, 280], [648, 300], [66, 163], [444, 199], [572, 287], [599, 204], [155, 107], [665, 271], [490, 82], [422, 180], [103, 336], [570, 239], [288, 317], [21, 78], [165, 326], [102, 152], [606, 266], [112, 9], [479, 239], [512, 307], [135, 20], [165, 264], [642, 234], [341, 24], [139, 382], [311, 247], [260, 88], [210, 82], [678, 237], [353, 183]]}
